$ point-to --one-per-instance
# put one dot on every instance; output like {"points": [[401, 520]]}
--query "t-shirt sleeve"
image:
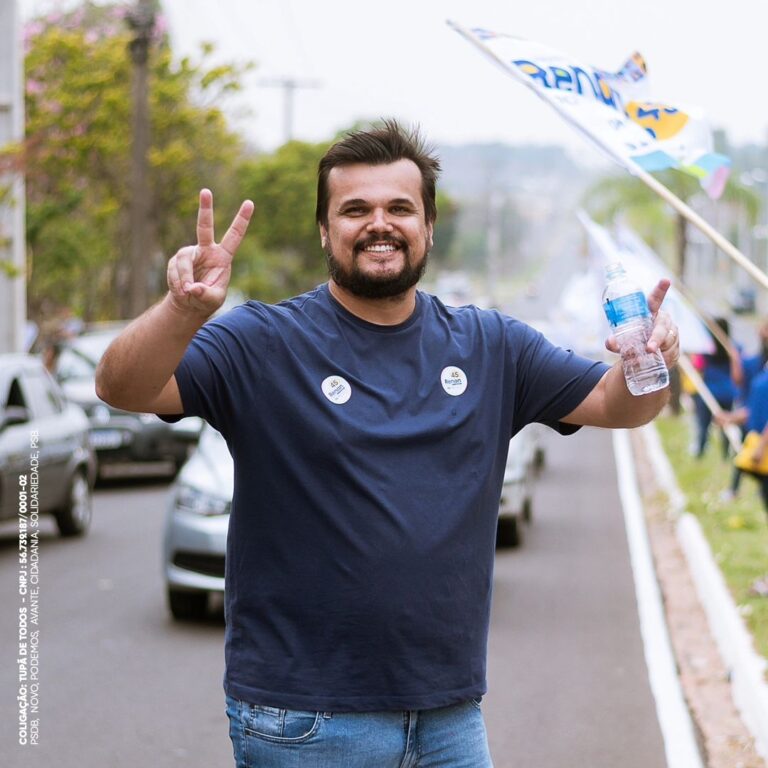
{"points": [[549, 381], [219, 365]]}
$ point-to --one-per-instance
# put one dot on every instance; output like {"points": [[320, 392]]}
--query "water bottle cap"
{"points": [[614, 268]]}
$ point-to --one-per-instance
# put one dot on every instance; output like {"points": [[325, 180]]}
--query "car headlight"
{"points": [[198, 502]]}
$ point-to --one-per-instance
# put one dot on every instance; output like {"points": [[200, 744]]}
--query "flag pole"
{"points": [[686, 211], [705, 316]]}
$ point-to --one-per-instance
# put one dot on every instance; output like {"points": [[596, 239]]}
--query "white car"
{"points": [[516, 503]]}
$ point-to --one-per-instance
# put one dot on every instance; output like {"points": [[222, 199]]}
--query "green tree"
{"points": [[448, 211], [287, 257], [77, 152], [663, 228]]}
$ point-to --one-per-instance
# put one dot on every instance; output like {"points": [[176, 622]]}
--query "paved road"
{"points": [[122, 686], [567, 679]]}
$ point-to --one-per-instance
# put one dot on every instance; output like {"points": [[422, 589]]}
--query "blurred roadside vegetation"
{"points": [[666, 231], [737, 530], [76, 162]]}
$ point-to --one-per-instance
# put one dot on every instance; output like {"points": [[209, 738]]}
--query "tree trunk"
{"points": [[681, 248], [681, 244]]}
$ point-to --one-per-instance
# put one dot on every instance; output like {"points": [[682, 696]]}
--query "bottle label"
{"points": [[624, 308]]}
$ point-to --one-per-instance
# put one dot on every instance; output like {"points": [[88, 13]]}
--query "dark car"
{"points": [[119, 437], [40, 429]]}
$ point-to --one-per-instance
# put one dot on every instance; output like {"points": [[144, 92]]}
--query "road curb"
{"points": [[746, 668], [674, 718]]}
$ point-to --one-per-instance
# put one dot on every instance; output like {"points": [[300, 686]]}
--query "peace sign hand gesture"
{"points": [[198, 276]]}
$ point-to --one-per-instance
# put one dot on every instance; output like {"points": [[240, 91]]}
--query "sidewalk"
{"points": [[724, 739]]}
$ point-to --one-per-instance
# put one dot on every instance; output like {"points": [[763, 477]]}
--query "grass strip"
{"points": [[737, 530]]}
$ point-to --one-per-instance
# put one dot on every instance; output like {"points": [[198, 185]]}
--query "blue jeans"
{"points": [[268, 737]]}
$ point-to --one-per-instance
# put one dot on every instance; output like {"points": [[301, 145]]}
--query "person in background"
{"points": [[722, 373], [752, 365], [50, 355], [754, 417]]}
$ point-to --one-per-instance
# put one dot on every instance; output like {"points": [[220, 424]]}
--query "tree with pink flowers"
{"points": [[77, 150]]}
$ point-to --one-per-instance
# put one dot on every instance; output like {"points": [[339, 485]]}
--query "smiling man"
{"points": [[375, 231], [369, 426]]}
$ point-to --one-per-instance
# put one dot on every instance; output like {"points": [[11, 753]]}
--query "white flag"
{"points": [[611, 108]]}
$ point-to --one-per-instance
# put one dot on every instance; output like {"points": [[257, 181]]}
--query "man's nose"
{"points": [[379, 221]]}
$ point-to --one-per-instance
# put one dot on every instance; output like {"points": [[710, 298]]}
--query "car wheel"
{"points": [[187, 606], [74, 518], [509, 532]]}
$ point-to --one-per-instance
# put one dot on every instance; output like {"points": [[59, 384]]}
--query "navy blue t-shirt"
{"points": [[368, 468]]}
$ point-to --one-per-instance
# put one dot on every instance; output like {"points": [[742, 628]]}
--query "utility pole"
{"points": [[289, 86], [141, 19], [496, 204], [13, 273]]}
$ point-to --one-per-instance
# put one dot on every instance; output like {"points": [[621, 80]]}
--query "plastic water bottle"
{"points": [[627, 311]]}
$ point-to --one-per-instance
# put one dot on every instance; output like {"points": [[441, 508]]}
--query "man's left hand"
{"points": [[665, 336]]}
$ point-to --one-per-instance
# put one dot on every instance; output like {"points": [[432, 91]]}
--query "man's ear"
{"points": [[430, 232], [323, 236]]}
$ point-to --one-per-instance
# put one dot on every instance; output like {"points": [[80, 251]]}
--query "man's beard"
{"points": [[368, 286]]}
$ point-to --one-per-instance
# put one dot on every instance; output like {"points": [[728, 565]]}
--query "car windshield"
{"points": [[93, 345], [80, 356]]}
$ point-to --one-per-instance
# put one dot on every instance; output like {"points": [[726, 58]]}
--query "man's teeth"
{"points": [[388, 248]]}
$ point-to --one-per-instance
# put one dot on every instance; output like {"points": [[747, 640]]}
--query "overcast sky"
{"points": [[398, 58]]}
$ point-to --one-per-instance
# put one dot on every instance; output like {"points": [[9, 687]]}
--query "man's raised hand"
{"points": [[198, 275]]}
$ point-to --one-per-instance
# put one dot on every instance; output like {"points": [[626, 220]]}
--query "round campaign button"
{"points": [[453, 380], [336, 389]]}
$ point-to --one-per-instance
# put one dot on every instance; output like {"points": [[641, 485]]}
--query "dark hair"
{"points": [[721, 354], [381, 145]]}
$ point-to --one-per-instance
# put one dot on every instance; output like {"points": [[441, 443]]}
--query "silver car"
{"points": [[196, 527], [40, 429]]}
